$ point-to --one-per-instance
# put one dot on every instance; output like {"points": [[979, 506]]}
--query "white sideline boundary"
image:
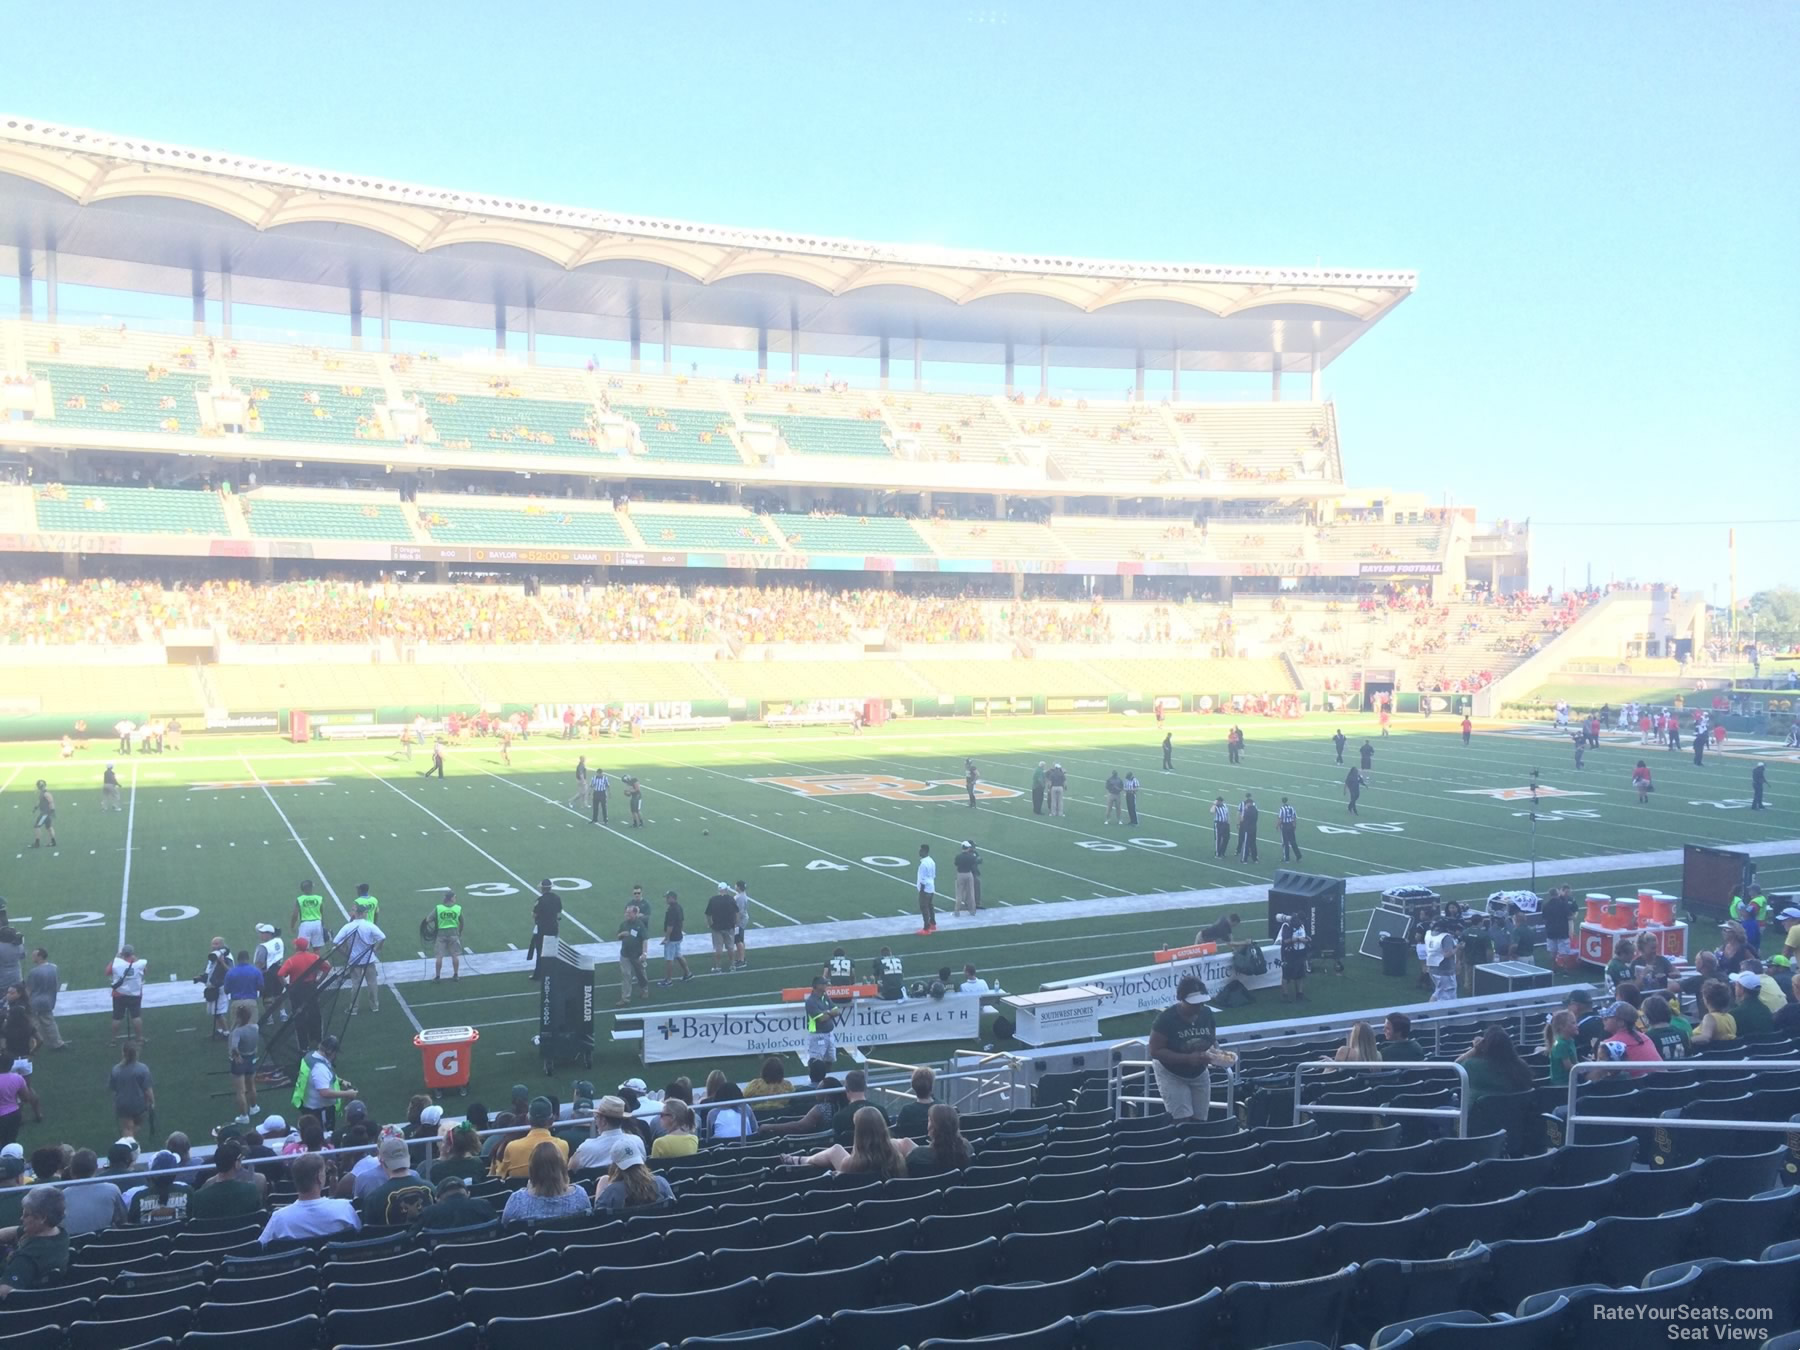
{"points": [[84, 1001]]}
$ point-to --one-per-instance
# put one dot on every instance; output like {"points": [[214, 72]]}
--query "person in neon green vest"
{"points": [[364, 899], [309, 915], [449, 936]]}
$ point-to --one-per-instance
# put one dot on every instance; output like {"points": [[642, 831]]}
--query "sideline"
{"points": [[395, 973]]}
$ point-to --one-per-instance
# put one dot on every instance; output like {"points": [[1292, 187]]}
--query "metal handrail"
{"points": [[1459, 1112], [1227, 1074], [1592, 1068]]}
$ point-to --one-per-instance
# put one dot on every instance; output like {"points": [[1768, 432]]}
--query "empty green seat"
{"points": [[128, 510], [712, 532], [691, 435], [827, 435], [290, 411], [548, 526], [274, 518], [850, 534], [113, 398], [534, 426]]}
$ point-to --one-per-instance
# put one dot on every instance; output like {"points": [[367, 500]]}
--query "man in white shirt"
{"points": [[596, 1150], [927, 891], [973, 983], [311, 1215], [364, 941], [125, 972]]}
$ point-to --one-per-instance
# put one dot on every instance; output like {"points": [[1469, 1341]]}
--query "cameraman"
{"points": [[1442, 950]]}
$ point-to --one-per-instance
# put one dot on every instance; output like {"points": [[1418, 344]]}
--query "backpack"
{"points": [[1249, 960], [1234, 995]]}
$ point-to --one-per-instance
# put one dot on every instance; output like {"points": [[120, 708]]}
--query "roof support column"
{"points": [[198, 290], [225, 301], [1175, 374], [668, 343], [1275, 378], [1009, 368], [637, 337], [1044, 363], [794, 338], [387, 322], [1140, 374], [918, 363], [499, 325], [1317, 372], [50, 281], [356, 313], [530, 329], [762, 350], [26, 307], [884, 361]]}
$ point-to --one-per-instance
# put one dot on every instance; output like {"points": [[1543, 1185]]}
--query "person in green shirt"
{"points": [[1494, 1066], [1753, 1015], [1559, 1039], [40, 1248], [634, 931], [1397, 1044], [231, 1191], [455, 1207], [364, 898], [309, 915], [448, 937]]}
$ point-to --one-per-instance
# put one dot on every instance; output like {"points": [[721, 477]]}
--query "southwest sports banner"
{"points": [[715, 1033], [1152, 988]]}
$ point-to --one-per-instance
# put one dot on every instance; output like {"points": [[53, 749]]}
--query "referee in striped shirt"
{"points": [[1289, 820], [1221, 827]]}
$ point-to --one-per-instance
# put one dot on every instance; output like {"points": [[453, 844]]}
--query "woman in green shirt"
{"points": [[1494, 1066]]}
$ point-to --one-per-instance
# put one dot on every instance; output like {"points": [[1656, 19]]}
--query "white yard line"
{"points": [[625, 836], [405, 1007], [530, 886], [294, 834], [125, 885]]}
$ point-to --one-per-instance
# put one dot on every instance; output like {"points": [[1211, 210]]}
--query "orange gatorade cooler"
{"points": [[1596, 909], [449, 1055]]}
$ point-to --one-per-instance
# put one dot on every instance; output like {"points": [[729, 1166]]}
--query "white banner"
{"points": [[710, 1034], [1152, 988]]}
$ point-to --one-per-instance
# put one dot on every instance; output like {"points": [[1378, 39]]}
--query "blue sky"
{"points": [[1602, 201]]}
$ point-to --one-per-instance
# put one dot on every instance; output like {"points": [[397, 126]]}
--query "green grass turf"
{"points": [[234, 857]]}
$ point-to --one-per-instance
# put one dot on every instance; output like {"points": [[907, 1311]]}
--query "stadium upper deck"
{"points": [[89, 208]]}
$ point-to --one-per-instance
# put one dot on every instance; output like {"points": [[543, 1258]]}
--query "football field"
{"points": [[825, 828]]}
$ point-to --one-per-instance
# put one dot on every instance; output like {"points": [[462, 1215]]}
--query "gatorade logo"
{"points": [[447, 1062]]}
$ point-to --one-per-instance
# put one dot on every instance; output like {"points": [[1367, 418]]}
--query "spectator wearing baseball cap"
{"points": [[1589, 1025], [232, 1191], [1183, 1048], [1753, 1015], [454, 1207], [515, 1159], [1624, 1042], [595, 1152], [629, 1182], [402, 1196]]}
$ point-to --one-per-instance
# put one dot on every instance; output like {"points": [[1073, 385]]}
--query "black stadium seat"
{"points": [[1000, 1308], [902, 1324], [1273, 1260], [113, 1334], [379, 1326], [1523, 1333], [296, 1333], [696, 1312], [121, 1307], [923, 1277], [788, 1299], [838, 1250], [1520, 1267], [727, 1265], [532, 1269], [1398, 1291], [1051, 1256], [565, 1294], [597, 1324], [464, 1337], [812, 1334], [1403, 1239], [386, 1294], [1199, 1321], [1061, 1335], [1261, 1313], [666, 1277], [18, 1321]]}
